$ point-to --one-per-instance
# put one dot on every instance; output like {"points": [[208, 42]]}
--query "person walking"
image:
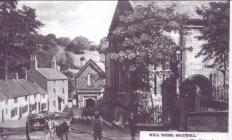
{"points": [[97, 126]]}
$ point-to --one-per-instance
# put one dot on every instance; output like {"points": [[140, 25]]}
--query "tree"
{"points": [[93, 47], [78, 45], [215, 33], [63, 41], [143, 40], [18, 33], [103, 45]]}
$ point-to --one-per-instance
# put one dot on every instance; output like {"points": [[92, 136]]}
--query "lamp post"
{"points": [[175, 78]]}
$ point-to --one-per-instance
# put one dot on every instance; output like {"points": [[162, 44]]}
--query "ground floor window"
{"points": [[14, 112]]}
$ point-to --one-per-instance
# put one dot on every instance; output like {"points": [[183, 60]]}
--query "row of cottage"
{"points": [[46, 89], [40, 89]]}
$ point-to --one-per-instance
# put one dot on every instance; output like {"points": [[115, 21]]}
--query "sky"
{"points": [[90, 19]]}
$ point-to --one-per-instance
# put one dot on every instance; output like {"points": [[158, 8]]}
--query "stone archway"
{"points": [[90, 102], [199, 91]]}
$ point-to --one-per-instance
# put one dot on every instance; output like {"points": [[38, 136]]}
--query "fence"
{"points": [[221, 93]]}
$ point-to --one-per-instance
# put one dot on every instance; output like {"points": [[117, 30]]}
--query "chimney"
{"points": [[13, 76], [24, 73], [53, 62], [33, 62]]}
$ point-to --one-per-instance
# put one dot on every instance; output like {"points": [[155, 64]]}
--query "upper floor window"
{"points": [[6, 101], [35, 96], [15, 100], [90, 79], [54, 90], [43, 95], [54, 81], [25, 98], [63, 90]]}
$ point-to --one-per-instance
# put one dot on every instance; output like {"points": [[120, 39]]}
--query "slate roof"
{"points": [[18, 88], [99, 68], [51, 74]]}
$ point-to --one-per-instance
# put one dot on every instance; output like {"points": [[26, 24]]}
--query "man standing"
{"points": [[97, 126]]}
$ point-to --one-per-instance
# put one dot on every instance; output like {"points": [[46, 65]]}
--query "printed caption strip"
{"points": [[159, 135]]}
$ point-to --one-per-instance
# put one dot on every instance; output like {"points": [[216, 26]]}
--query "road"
{"points": [[78, 132], [45, 136]]}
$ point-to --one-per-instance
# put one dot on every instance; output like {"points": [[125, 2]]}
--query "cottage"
{"points": [[18, 97], [54, 82]]}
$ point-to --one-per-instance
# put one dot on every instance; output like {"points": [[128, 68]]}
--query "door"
{"points": [[2, 116], [59, 103]]}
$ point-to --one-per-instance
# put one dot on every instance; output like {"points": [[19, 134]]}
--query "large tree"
{"points": [[18, 34], [144, 39], [215, 33], [78, 45]]}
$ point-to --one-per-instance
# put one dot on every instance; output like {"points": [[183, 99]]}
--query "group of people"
{"points": [[62, 128]]}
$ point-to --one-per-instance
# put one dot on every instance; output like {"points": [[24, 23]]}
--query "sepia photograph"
{"points": [[114, 70]]}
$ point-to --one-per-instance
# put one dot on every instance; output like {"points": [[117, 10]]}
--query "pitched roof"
{"points": [[97, 67], [51, 74], [184, 7], [17, 88]]}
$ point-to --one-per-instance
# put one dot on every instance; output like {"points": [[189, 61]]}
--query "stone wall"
{"points": [[97, 80], [207, 121]]}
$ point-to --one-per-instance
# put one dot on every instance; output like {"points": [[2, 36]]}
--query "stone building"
{"points": [[208, 80], [54, 82], [89, 83]]}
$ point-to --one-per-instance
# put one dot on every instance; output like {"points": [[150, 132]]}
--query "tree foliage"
{"points": [[215, 33], [144, 40], [103, 45], [18, 34], [79, 44]]}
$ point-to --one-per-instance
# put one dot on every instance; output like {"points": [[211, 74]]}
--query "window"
{"points": [[14, 112], [90, 79], [43, 95], [63, 90], [6, 111], [54, 90], [35, 96], [54, 81], [25, 98], [15, 100], [6, 101]]}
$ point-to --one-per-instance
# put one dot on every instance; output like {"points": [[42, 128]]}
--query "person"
{"points": [[97, 126], [51, 125], [132, 124], [27, 131]]}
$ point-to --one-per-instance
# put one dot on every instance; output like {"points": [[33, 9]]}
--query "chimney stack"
{"points": [[33, 62], [53, 62], [24, 73]]}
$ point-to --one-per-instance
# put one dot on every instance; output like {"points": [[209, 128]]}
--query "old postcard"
{"points": [[114, 70]]}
